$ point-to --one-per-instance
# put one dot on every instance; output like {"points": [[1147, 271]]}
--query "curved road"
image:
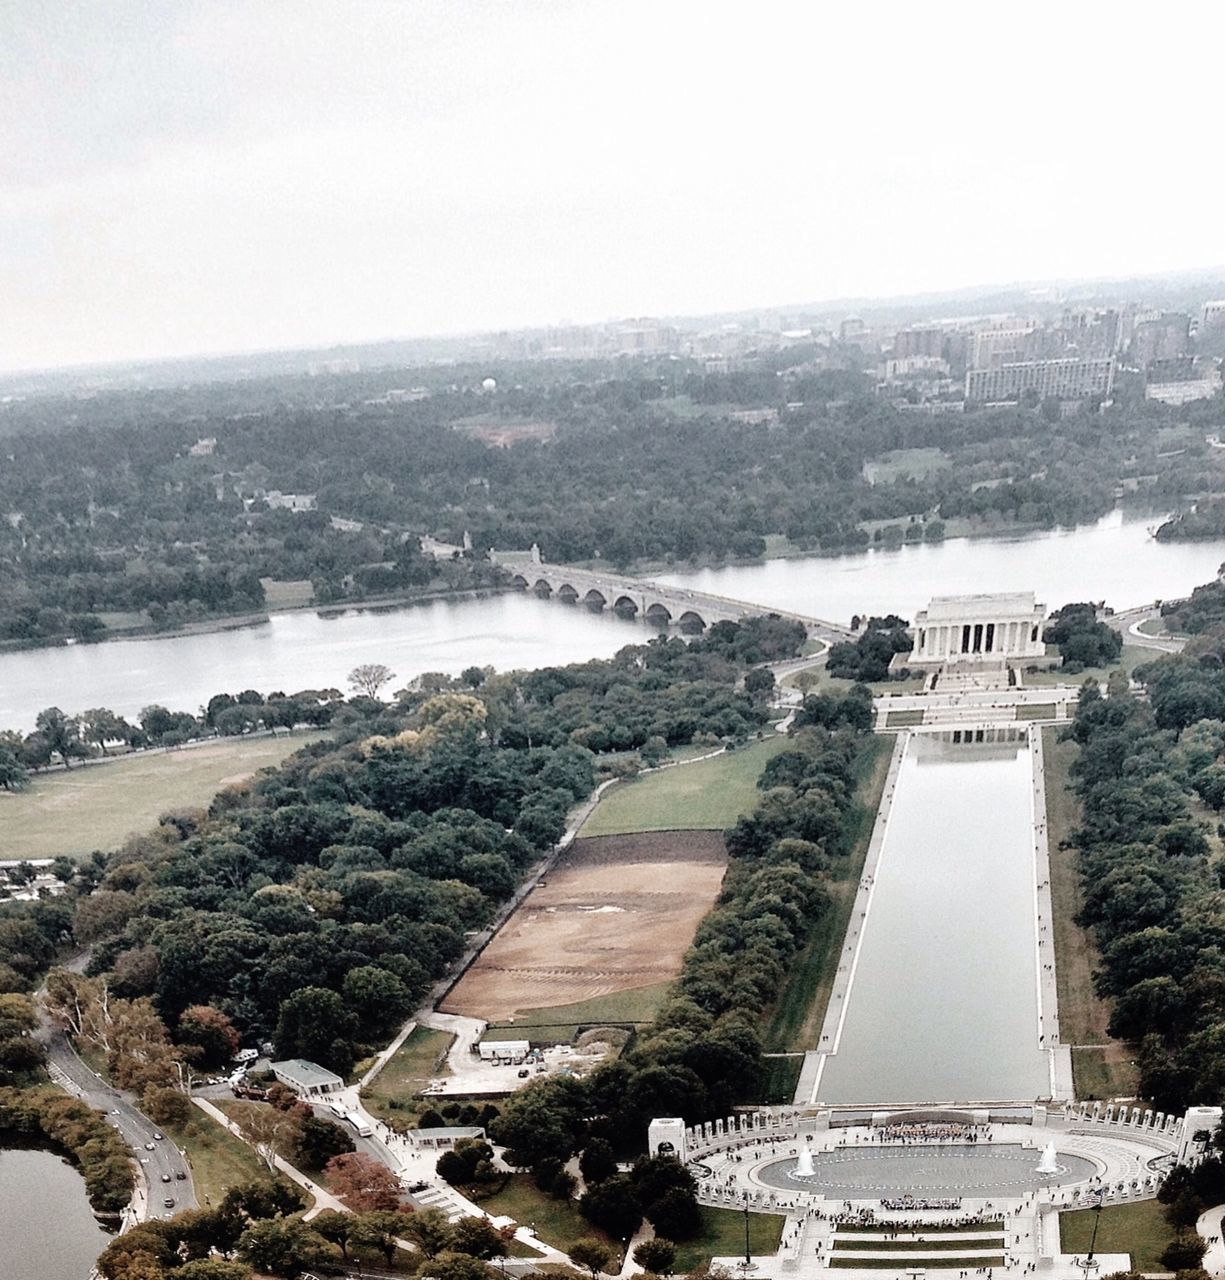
{"points": [[1128, 622], [68, 1071]]}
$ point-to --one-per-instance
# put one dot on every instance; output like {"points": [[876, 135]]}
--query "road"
{"points": [[72, 1075], [1128, 622]]}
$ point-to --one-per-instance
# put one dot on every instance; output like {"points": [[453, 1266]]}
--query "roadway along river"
{"points": [[1115, 560], [943, 1003]]}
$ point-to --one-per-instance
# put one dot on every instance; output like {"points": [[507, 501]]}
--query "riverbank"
{"points": [[244, 621]]}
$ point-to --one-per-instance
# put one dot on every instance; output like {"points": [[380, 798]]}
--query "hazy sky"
{"points": [[191, 176]]}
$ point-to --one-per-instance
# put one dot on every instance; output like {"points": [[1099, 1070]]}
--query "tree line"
{"points": [[703, 1053], [109, 516], [1148, 767]]}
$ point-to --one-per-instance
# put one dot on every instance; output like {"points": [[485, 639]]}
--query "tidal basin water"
{"points": [[943, 1005], [47, 1230]]}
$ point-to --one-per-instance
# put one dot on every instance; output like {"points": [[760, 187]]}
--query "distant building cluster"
{"points": [[1074, 357]]}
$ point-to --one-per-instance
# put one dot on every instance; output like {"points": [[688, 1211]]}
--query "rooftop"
{"points": [[310, 1075], [993, 606]]}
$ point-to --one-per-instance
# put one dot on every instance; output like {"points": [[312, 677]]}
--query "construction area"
{"points": [[615, 913]]}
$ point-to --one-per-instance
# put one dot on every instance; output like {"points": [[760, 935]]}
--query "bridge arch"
{"points": [[595, 600], [626, 607], [543, 588], [657, 615], [519, 582], [691, 623], [567, 594]]}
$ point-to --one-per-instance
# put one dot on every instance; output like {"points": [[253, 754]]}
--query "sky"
{"points": [[192, 176]]}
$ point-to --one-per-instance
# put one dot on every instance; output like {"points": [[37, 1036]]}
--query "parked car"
{"points": [[181, 1176], [150, 1147], [165, 1177], [169, 1202]]}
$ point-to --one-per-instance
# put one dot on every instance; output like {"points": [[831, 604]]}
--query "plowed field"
{"points": [[616, 912]]}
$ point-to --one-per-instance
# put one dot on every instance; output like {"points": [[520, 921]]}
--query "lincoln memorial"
{"points": [[990, 629]]}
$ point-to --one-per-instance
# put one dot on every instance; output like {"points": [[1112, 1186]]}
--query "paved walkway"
{"points": [[323, 1199], [1209, 1227]]}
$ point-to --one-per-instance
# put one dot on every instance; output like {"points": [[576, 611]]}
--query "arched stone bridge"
{"points": [[691, 611]]}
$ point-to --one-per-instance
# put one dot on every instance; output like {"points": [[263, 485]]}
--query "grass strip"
{"points": [[722, 1236], [795, 1022], [1139, 1229], [707, 796]]}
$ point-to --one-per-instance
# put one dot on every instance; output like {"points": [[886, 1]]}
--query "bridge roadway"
{"points": [[650, 600]]}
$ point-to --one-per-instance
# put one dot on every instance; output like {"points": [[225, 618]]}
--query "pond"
{"points": [[47, 1227]]}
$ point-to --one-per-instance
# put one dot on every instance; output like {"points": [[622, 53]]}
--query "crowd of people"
{"points": [[949, 1132]]}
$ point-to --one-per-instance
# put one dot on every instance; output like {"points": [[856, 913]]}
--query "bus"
{"points": [[359, 1126]]}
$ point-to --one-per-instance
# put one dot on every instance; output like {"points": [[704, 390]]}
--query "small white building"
{"points": [[444, 1138], [504, 1050], [307, 1079], [988, 629]]}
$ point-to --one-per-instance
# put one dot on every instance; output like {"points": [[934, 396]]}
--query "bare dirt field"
{"points": [[615, 913]]}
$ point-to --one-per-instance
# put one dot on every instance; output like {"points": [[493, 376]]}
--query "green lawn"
{"points": [[1132, 657], [918, 464], [218, 1159], [903, 719], [556, 1222], [709, 795], [98, 806], [795, 1022], [560, 1023], [392, 1094], [1139, 1229], [722, 1236], [1036, 711], [779, 1078], [1104, 1072]]}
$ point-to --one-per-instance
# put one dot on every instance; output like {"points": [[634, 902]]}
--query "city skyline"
{"points": [[215, 178]]}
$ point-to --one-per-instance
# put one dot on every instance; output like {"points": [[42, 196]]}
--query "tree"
{"points": [[210, 1031], [449, 1265], [429, 1230], [378, 1230], [335, 1227], [315, 1024], [593, 1255], [164, 1105], [597, 1162], [369, 678], [477, 1236], [613, 1206], [100, 725], [377, 996], [263, 1199], [13, 774], [285, 1246], [61, 734], [316, 1141], [363, 1182], [213, 1269], [656, 1255], [1184, 1254]]}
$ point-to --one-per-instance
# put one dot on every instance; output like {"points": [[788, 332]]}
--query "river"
{"points": [[943, 1003], [1114, 559], [47, 1230]]}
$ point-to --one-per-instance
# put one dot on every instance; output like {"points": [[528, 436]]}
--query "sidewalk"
{"points": [[1209, 1227]]}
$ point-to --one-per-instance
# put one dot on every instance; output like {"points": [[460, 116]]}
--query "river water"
{"points": [[943, 1004], [1115, 560], [47, 1230]]}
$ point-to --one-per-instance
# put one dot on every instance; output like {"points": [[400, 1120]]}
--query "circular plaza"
{"points": [[947, 1168]]}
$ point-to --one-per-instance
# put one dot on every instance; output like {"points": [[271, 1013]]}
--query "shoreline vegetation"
{"points": [[778, 547]]}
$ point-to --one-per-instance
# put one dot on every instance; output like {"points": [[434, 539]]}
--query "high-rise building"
{"points": [[1066, 379]]}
